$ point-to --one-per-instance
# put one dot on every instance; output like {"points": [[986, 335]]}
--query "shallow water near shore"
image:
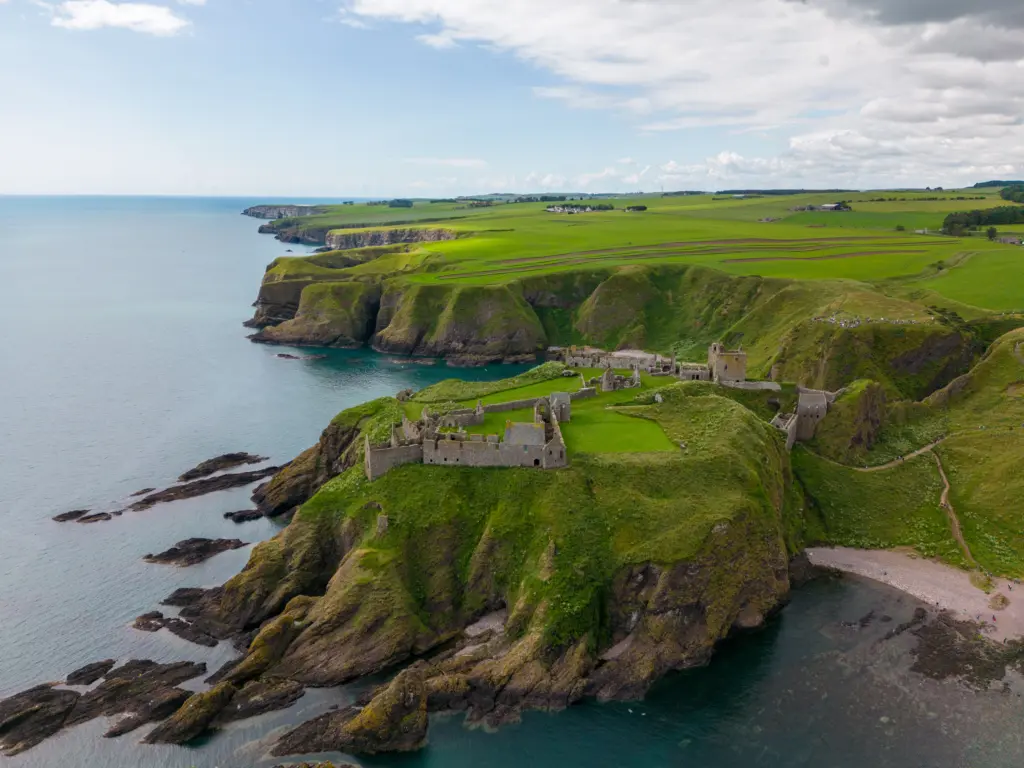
{"points": [[125, 364]]}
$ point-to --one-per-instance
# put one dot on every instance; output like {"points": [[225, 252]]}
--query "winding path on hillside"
{"points": [[944, 502], [954, 521], [902, 459]]}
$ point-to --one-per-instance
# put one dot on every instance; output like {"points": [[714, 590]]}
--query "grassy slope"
{"points": [[987, 491], [872, 510], [601, 514]]}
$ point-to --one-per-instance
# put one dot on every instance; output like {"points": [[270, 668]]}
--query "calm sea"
{"points": [[124, 363]]}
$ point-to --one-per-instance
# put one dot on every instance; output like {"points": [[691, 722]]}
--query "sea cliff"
{"points": [[521, 589]]}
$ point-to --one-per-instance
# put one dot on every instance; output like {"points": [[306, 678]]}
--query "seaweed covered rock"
{"points": [[194, 716], [395, 720]]}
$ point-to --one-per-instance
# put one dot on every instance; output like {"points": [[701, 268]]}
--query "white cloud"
{"points": [[448, 162], [536, 180], [587, 179], [865, 91], [137, 17], [636, 178]]}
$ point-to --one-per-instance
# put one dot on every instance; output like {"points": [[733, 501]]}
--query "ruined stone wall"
{"points": [[555, 453], [583, 393], [379, 461], [514, 405], [788, 423], [477, 452], [461, 418]]}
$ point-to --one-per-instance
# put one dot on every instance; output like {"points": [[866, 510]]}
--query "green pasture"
{"points": [[508, 243], [992, 279]]}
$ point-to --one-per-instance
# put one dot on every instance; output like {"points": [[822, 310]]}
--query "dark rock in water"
{"points": [[143, 492], [100, 517], [162, 705], [950, 648], [155, 621], [219, 464], [224, 671], [259, 697], [394, 721], [286, 356], [203, 487], [90, 673], [316, 765], [68, 517], [194, 717], [243, 515], [179, 598], [32, 716], [143, 690], [194, 551]]}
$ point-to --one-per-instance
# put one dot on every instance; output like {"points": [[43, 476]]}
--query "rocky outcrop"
{"points": [[72, 516], [90, 673], [143, 691], [341, 314], [220, 464], [305, 475], [32, 716], [194, 551], [243, 515], [203, 487], [194, 716], [155, 621], [343, 240], [394, 721], [466, 324], [283, 211], [277, 302], [335, 600]]}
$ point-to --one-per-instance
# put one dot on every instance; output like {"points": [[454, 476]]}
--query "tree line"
{"points": [[1014, 194], [959, 223]]}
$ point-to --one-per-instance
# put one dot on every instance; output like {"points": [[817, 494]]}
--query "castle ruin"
{"points": [[442, 439]]}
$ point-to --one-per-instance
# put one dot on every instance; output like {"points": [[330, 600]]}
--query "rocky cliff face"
{"points": [[328, 315], [343, 240], [468, 325], [282, 211], [529, 589]]}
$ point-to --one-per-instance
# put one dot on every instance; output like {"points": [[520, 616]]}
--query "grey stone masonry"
{"points": [[538, 443]]}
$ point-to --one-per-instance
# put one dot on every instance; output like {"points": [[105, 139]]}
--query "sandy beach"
{"points": [[934, 583]]}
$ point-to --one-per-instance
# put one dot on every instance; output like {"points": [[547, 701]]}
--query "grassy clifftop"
{"points": [[660, 555]]}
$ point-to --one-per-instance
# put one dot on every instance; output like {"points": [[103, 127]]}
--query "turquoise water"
{"points": [[125, 363]]}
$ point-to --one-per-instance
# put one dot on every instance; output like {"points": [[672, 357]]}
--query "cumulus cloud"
{"points": [[873, 91], [137, 17]]}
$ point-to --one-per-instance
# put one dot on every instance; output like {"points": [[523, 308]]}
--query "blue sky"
{"points": [[439, 97]]}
